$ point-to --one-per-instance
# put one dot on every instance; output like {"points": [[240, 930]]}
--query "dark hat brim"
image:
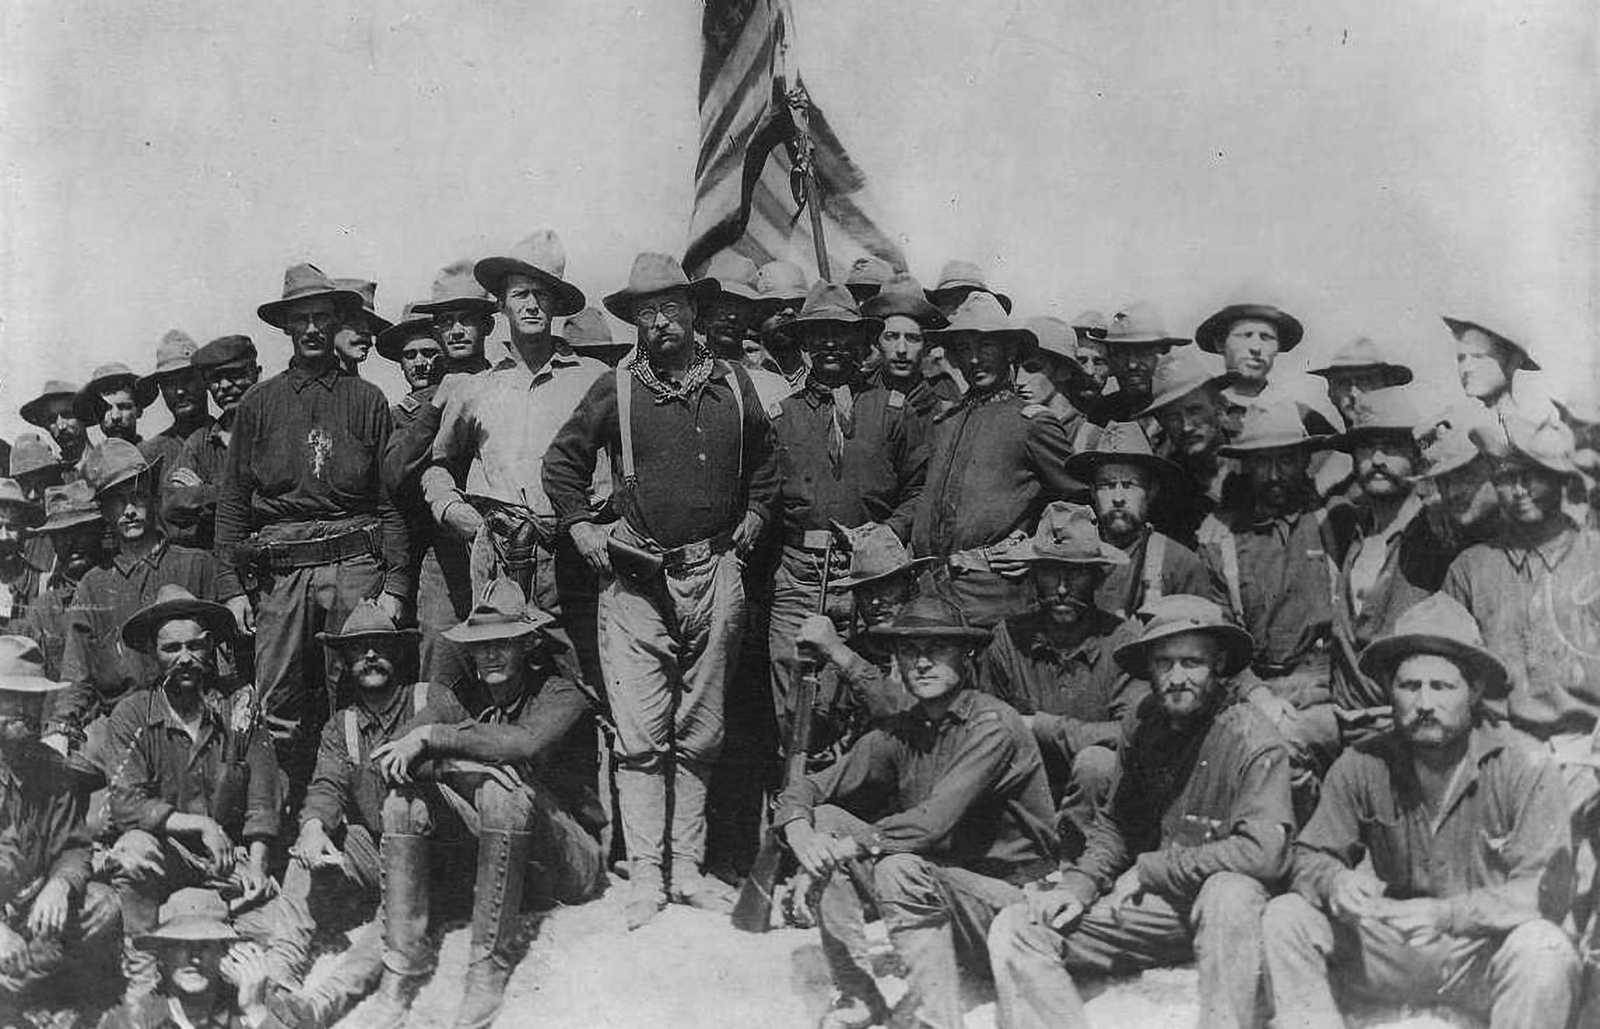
{"points": [[60, 523], [482, 632], [87, 404], [139, 630], [1382, 657], [148, 387], [1082, 466], [478, 305], [1393, 374], [272, 311], [1172, 396], [1237, 645], [955, 339], [801, 329], [1276, 443], [1352, 438], [939, 296], [1214, 330], [192, 930], [907, 305], [955, 633], [33, 412], [491, 273], [913, 567], [622, 302], [339, 638], [863, 291], [393, 339], [152, 469], [1457, 326]]}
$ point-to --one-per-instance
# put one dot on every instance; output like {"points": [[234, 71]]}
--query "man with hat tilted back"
{"points": [[994, 463], [305, 528], [698, 478], [107, 402], [51, 910], [1054, 664], [180, 386], [228, 367], [55, 411], [76, 533], [907, 317], [969, 824], [193, 783], [1182, 857], [1471, 853], [498, 756], [849, 453]]}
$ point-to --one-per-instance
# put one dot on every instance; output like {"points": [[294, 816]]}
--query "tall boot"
{"points": [[496, 915], [688, 885], [405, 929], [642, 803]]}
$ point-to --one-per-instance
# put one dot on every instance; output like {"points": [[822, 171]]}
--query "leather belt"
{"points": [[696, 552], [974, 560], [808, 539], [287, 555]]}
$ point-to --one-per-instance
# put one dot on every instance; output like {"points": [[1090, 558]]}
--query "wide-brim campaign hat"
{"points": [[69, 506], [735, 274], [224, 350], [828, 304], [31, 452], [1361, 354], [1179, 372], [1067, 534], [959, 279], [1126, 443], [589, 330], [1180, 613], [173, 601], [1437, 625], [1388, 413], [115, 461], [367, 621], [540, 256], [22, 667], [107, 378], [1055, 337], [34, 413], [781, 283], [1458, 326], [193, 915], [1548, 443], [867, 275], [305, 281], [982, 316], [412, 325], [368, 291], [457, 288], [1211, 333], [1277, 427], [876, 554], [1447, 446], [502, 613], [903, 295], [174, 356], [930, 617], [1139, 322], [12, 496], [1091, 324], [651, 275]]}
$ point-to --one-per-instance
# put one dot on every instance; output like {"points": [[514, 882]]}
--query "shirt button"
{"points": [[702, 457]]}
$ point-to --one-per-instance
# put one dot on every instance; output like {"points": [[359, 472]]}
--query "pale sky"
{"points": [[1372, 165]]}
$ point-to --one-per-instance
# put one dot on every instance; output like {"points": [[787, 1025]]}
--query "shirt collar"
{"points": [[391, 714], [128, 563], [300, 376], [960, 709], [1549, 553], [210, 710], [1086, 651], [1484, 740], [1409, 509]]}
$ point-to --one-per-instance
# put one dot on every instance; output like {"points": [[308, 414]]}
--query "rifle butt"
{"points": [[752, 913]]}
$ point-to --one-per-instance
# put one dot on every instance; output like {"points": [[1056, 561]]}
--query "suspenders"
{"points": [[625, 418]]}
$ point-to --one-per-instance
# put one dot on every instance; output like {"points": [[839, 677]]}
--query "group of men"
{"points": [[1109, 649]]}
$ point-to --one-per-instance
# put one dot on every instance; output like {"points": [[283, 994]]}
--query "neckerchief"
{"points": [[698, 375], [842, 425]]}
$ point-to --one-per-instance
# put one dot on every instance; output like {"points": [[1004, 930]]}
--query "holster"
{"points": [[633, 563]]}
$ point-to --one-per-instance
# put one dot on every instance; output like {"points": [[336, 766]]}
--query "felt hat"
{"points": [[501, 613], [1126, 443], [107, 378], [958, 280], [303, 282], [650, 275], [1446, 444], [1139, 322], [1437, 625], [1179, 372], [1388, 412], [1458, 326], [67, 506], [1179, 613], [31, 452], [22, 668], [368, 290], [1056, 338], [903, 295], [540, 256], [780, 286], [11, 496], [876, 553], [930, 617], [1067, 534], [867, 275], [982, 315], [1276, 427], [589, 331], [735, 274], [173, 601], [1361, 354], [174, 355], [366, 620], [457, 287], [34, 413], [114, 462], [224, 350], [413, 323], [1091, 324], [1214, 329], [828, 303], [1548, 443], [193, 915]]}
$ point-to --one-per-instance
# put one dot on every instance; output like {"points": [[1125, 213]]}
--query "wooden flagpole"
{"points": [[804, 147]]}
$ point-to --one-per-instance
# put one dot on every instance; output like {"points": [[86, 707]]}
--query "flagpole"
{"points": [[804, 148]]}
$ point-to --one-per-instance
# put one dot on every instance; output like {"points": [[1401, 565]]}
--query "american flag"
{"points": [[747, 197]]}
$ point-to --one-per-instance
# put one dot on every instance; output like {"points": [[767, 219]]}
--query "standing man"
{"points": [[1091, 327], [410, 343], [107, 402], [1356, 369], [353, 342], [1051, 375], [182, 388], [76, 533], [866, 277], [1249, 334], [781, 290], [305, 528], [699, 477], [19, 576], [189, 502], [1189, 406], [1471, 852], [55, 411], [958, 280], [1487, 361], [907, 317], [1134, 344], [1181, 858], [589, 333], [33, 463], [732, 315], [994, 463]]}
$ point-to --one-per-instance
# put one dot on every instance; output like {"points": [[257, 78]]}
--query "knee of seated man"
{"points": [[137, 857], [1228, 900], [406, 813], [902, 880], [1287, 918], [1014, 929], [1093, 769], [1539, 948], [504, 809]]}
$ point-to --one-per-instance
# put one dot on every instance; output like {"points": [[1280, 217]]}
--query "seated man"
{"points": [[1180, 859], [1054, 664], [194, 786], [51, 908], [968, 822], [1471, 852], [496, 758]]}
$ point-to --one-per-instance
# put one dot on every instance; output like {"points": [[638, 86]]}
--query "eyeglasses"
{"points": [[301, 319], [647, 313]]}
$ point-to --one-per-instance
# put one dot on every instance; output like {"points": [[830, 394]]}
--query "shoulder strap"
{"points": [[1155, 556], [352, 737], [1230, 569], [738, 406], [419, 697], [625, 421]]}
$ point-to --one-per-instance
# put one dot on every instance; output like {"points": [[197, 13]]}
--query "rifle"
{"points": [[752, 913]]}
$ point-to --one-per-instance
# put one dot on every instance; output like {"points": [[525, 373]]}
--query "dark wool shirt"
{"points": [[47, 622], [880, 473], [967, 791], [42, 833], [994, 464], [686, 456], [306, 448], [345, 788], [189, 490], [1213, 798], [166, 445], [1126, 588], [1499, 851]]}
